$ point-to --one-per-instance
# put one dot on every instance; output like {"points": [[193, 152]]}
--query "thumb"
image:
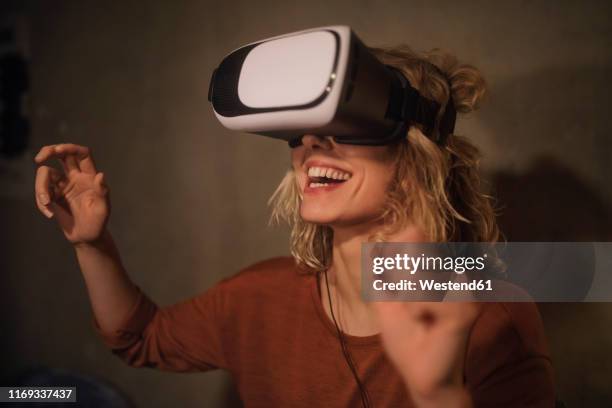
{"points": [[99, 181]]}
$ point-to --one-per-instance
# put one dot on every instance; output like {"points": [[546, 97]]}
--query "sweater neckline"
{"points": [[329, 324]]}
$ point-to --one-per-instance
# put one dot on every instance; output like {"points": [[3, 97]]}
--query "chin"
{"points": [[336, 218], [319, 217]]}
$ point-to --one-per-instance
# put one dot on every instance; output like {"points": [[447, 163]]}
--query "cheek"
{"points": [[373, 192], [377, 167]]}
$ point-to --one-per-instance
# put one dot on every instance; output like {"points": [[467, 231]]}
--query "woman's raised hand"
{"points": [[77, 197], [427, 342]]}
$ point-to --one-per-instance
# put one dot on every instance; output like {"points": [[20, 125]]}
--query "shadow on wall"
{"points": [[550, 203], [554, 124]]}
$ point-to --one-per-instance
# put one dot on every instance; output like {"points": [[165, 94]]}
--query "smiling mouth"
{"points": [[319, 176]]}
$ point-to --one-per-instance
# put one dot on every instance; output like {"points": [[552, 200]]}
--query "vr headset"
{"points": [[322, 81]]}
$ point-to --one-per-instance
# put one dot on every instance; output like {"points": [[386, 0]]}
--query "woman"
{"points": [[295, 331]]}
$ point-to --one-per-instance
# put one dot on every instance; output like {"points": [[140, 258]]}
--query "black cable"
{"points": [[365, 398]]}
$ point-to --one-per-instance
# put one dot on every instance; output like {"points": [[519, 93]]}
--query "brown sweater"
{"points": [[266, 325]]}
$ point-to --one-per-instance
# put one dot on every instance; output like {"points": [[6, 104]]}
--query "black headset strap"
{"points": [[408, 105]]}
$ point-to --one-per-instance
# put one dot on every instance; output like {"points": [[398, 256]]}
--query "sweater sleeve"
{"points": [[182, 337], [508, 363]]}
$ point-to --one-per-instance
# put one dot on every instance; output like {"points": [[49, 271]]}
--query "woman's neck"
{"points": [[354, 316]]}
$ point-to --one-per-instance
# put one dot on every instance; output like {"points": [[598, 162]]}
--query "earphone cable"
{"points": [[365, 398]]}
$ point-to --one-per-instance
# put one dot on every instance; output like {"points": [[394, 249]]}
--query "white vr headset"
{"points": [[322, 81]]}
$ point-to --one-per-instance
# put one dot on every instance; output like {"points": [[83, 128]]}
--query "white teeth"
{"points": [[328, 172], [315, 185]]}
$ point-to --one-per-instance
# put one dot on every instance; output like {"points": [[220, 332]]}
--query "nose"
{"points": [[314, 142]]}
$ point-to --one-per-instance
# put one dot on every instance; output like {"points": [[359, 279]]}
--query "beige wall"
{"points": [[130, 80]]}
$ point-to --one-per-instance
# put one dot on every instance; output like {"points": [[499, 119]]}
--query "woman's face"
{"points": [[341, 184]]}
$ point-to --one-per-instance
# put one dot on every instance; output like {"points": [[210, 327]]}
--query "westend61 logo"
{"points": [[412, 264], [436, 273], [427, 271], [488, 272]]}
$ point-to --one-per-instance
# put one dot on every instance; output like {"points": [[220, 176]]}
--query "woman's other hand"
{"points": [[77, 196], [427, 342]]}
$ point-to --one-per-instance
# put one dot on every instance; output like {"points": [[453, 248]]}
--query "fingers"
{"points": [[46, 177], [82, 156], [73, 157], [44, 153], [48, 152], [100, 183], [69, 161], [451, 316]]}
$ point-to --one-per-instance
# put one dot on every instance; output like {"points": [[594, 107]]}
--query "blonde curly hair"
{"points": [[438, 188]]}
